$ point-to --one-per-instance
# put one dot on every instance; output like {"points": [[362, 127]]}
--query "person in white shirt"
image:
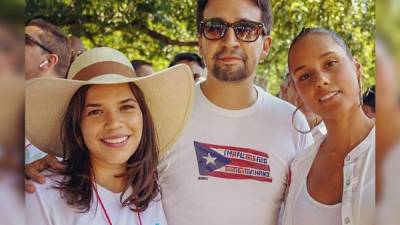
{"points": [[333, 181], [108, 126], [289, 93]]}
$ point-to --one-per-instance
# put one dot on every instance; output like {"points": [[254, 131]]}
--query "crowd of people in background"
{"points": [[49, 52]]}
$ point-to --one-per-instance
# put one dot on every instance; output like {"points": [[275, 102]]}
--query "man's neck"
{"points": [[42, 75], [230, 95], [105, 175]]}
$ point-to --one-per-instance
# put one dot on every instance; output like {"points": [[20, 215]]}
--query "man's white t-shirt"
{"points": [[46, 207], [230, 167]]}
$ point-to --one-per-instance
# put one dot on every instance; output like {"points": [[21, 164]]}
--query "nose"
{"points": [[230, 40], [323, 80], [113, 121]]}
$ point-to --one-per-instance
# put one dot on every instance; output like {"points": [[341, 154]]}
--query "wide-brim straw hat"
{"points": [[169, 96]]}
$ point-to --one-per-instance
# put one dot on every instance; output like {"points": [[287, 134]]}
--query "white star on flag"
{"points": [[209, 159]]}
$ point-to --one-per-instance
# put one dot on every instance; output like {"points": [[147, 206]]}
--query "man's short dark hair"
{"points": [[264, 5], [137, 63], [56, 41], [188, 56], [369, 97]]}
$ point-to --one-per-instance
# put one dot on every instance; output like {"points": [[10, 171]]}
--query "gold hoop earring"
{"points": [[298, 130]]}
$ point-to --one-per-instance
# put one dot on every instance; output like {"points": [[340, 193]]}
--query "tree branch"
{"points": [[166, 40]]}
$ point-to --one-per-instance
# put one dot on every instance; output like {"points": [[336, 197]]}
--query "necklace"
{"points": [[104, 208]]}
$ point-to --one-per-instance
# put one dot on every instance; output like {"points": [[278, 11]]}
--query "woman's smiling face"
{"points": [[112, 123], [325, 76]]}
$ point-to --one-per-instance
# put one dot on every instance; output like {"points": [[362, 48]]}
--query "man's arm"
{"points": [[34, 169]]}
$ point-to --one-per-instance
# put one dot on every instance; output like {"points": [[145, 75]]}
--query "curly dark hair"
{"points": [[141, 173]]}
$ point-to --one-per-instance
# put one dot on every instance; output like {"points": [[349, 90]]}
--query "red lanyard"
{"points": [[104, 208]]}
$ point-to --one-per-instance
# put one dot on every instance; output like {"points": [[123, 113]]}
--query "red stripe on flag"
{"points": [[238, 176], [244, 163], [246, 150]]}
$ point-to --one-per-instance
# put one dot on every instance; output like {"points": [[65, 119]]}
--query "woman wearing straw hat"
{"points": [[109, 127], [333, 181]]}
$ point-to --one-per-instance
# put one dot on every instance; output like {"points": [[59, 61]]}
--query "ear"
{"points": [[200, 46], [53, 60], [267, 42], [358, 67], [299, 101], [282, 91]]}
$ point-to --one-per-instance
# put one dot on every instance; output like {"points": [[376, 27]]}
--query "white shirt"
{"points": [[310, 211], [45, 207], [230, 167], [358, 199], [319, 131]]}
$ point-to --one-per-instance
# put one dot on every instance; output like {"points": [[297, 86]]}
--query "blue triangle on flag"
{"points": [[208, 159]]}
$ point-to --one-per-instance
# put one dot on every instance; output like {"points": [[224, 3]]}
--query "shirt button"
{"points": [[348, 158], [347, 220], [348, 182]]}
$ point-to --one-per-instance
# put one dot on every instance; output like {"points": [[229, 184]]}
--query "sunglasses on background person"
{"points": [[29, 40], [247, 31]]}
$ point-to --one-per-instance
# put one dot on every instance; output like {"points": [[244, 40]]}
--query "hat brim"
{"points": [[169, 96]]}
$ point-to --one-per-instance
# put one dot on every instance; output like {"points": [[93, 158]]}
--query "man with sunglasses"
{"points": [[230, 166], [47, 50]]}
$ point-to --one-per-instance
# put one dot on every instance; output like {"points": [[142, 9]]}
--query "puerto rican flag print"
{"points": [[229, 162]]}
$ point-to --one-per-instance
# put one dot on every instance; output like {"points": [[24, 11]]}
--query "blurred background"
{"points": [[156, 30], [11, 112], [388, 111]]}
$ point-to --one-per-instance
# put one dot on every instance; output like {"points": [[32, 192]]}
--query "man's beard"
{"points": [[229, 72]]}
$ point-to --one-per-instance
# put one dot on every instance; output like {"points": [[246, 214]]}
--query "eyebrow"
{"points": [[128, 100], [326, 53], [239, 20], [321, 56], [121, 102]]}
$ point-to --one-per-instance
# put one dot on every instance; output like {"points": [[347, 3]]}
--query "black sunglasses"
{"points": [[247, 31], [29, 40]]}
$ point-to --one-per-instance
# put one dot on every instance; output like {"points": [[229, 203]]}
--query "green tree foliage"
{"points": [[156, 30], [388, 20]]}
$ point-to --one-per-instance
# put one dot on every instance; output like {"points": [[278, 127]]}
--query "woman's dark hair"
{"points": [[369, 97], [318, 30], [141, 174]]}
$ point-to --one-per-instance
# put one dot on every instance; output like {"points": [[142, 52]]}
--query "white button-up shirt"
{"points": [[319, 131], [358, 200]]}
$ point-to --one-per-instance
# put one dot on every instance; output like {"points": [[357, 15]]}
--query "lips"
{"points": [[229, 58], [329, 96], [115, 141]]}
